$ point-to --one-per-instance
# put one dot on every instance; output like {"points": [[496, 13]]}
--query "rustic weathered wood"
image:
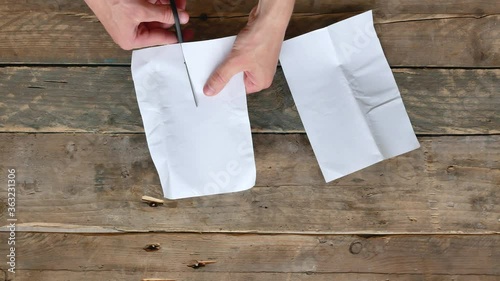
{"points": [[94, 183], [102, 99], [422, 254], [408, 40], [219, 8], [84, 190], [473, 41], [121, 275]]}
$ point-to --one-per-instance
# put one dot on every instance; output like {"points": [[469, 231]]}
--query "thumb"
{"points": [[221, 76]]}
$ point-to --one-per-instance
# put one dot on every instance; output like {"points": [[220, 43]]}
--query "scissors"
{"points": [[178, 30]]}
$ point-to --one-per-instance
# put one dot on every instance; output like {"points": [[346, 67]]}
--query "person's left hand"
{"points": [[255, 52]]}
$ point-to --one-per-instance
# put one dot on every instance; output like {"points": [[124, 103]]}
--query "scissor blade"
{"points": [[189, 77], [178, 30]]}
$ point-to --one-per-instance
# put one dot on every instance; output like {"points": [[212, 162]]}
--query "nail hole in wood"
{"points": [[152, 247]]}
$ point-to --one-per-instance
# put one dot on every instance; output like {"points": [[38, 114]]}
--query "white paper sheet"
{"points": [[200, 150], [347, 97]]}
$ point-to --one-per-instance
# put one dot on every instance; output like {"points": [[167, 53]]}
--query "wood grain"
{"points": [[52, 275], [408, 40], [75, 137], [102, 99], [94, 183], [316, 254]]}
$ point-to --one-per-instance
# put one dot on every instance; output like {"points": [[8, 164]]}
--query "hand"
{"points": [[138, 23], [256, 49]]}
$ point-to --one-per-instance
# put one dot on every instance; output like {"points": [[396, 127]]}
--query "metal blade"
{"points": [[178, 30], [189, 76]]}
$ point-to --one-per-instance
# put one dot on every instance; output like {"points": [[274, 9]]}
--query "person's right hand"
{"points": [[138, 23]]}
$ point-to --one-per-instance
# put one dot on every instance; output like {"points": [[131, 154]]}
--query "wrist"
{"points": [[275, 13]]}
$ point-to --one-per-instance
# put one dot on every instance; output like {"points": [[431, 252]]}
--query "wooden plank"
{"points": [[405, 254], [220, 8], [102, 99], [408, 40], [52, 275], [94, 183], [449, 41]]}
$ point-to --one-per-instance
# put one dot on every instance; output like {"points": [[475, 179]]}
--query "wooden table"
{"points": [[72, 130]]}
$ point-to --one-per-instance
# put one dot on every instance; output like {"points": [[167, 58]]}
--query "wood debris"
{"points": [[197, 264], [152, 247], [153, 202]]}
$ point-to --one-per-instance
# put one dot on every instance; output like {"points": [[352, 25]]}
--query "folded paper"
{"points": [[200, 150], [347, 97], [340, 80]]}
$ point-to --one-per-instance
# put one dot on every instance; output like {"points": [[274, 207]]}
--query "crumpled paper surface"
{"points": [[347, 97], [200, 150]]}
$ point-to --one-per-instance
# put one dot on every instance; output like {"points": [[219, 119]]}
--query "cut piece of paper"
{"points": [[347, 97], [200, 150]]}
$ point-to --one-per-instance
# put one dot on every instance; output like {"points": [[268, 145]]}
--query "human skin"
{"points": [[137, 24], [256, 49]]}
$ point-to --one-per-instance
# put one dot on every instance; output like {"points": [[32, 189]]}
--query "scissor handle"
{"points": [[178, 30]]}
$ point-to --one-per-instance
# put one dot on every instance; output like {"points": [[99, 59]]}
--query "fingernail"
{"points": [[208, 90], [183, 16]]}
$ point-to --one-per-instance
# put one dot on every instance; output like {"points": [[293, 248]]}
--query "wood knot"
{"points": [[355, 248]]}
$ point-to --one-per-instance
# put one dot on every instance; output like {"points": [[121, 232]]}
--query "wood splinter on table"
{"points": [[197, 264], [153, 202]]}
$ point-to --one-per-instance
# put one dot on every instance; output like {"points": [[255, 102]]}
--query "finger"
{"points": [[155, 24], [162, 13], [181, 4], [153, 37], [220, 77]]}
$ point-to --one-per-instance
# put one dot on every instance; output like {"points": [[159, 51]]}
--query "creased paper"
{"points": [[200, 150], [347, 97]]}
